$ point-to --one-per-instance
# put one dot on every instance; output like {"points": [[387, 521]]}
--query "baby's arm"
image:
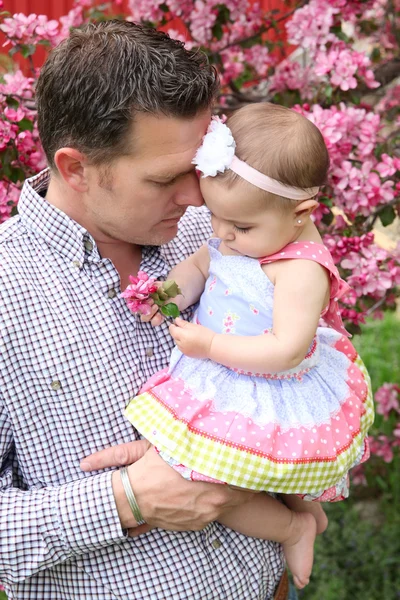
{"points": [[191, 276], [301, 292]]}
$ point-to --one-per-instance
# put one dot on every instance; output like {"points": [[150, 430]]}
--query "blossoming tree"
{"points": [[341, 75]]}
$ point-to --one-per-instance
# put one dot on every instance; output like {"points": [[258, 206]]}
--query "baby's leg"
{"points": [[315, 508], [266, 518]]}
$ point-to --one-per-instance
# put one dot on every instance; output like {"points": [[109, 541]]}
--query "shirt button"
{"points": [[216, 544], [149, 352], [111, 293], [55, 385], [77, 264], [88, 245]]}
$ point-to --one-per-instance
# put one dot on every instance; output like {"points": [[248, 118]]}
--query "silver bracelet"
{"points": [[130, 496]]}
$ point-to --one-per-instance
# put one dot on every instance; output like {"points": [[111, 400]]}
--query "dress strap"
{"points": [[320, 254]]}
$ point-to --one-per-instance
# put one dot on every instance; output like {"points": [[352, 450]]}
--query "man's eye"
{"points": [[241, 229], [164, 183]]}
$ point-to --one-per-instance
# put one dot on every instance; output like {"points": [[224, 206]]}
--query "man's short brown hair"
{"points": [[94, 82]]}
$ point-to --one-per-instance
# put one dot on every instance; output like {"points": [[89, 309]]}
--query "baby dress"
{"points": [[297, 431]]}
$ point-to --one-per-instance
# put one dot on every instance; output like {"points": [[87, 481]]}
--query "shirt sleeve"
{"points": [[44, 527]]}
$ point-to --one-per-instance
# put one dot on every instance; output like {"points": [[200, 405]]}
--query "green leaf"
{"points": [[27, 50], [376, 55], [328, 92], [25, 125], [170, 310], [387, 215], [217, 31], [12, 102], [17, 174], [224, 13]]}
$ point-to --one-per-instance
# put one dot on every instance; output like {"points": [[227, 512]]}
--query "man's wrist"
{"points": [[124, 510]]}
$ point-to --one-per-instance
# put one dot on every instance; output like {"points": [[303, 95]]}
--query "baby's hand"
{"points": [[155, 317], [192, 340], [163, 300]]}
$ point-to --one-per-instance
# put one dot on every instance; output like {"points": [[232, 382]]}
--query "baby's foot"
{"points": [[299, 547]]}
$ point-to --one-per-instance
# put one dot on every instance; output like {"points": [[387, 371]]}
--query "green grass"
{"points": [[379, 347], [357, 558]]}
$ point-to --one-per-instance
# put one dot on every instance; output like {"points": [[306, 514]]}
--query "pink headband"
{"points": [[217, 153]]}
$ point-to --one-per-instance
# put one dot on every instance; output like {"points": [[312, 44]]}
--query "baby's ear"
{"points": [[304, 209]]}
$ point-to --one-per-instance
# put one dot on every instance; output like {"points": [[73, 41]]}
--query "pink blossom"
{"points": [[382, 447], [47, 30], [19, 26], [310, 26], [137, 294], [9, 196], [8, 131], [259, 58], [146, 10], [388, 165], [290, 75], [74, 18], [16, 83], [233, 63], [357, 476], [387, 398], [14, 115], [203, 18]]}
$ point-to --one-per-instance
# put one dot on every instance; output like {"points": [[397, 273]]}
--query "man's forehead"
{"points": [[169, 140]]}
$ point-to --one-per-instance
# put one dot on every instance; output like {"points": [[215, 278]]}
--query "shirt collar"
{"points": [[58, 230]]}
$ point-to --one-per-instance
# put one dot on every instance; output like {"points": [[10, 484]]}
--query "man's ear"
{"points": [[304, 209], [71, 165]]}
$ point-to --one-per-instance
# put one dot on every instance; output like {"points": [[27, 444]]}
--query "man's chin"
{"points": [[163, 236]]}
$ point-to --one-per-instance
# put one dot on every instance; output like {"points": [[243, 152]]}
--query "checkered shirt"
{"points": [[71, 357]]}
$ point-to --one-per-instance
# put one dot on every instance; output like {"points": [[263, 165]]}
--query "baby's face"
{"points": [[243, 220]]}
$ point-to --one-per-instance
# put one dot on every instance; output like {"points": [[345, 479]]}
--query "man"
{"points": [[121, 113]]}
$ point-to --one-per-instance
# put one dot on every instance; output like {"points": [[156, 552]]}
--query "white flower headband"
{"points": [[217, 153]]}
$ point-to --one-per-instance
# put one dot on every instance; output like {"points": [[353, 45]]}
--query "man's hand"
{"points": [[192, 340], [165, 498]]}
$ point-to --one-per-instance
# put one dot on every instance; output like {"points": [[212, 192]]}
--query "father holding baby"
{"points": [[122, 111]]}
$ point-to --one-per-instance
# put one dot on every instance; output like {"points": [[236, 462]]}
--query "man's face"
{"points": [[140, 198]]}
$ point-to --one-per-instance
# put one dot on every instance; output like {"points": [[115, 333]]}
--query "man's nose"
{"points": [[189, 192]]}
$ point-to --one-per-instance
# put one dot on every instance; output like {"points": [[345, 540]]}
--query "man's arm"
{"points": [[44, 527], [165, 498]]}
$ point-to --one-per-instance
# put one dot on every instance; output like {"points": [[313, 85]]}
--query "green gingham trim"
{"points": [[236, 466]]}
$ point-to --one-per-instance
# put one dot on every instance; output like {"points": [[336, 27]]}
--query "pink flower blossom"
{"points": [[137, 294], [290, 75], [310, 26], [382, 447], [387, 398], [16, 83], [357, 476], [9, 196], [203, 18], [344, 66], [14, 115], [146, 10], [388, 165]]}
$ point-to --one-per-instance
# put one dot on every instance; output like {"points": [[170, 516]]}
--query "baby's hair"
{"points": [[280, 143]]}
